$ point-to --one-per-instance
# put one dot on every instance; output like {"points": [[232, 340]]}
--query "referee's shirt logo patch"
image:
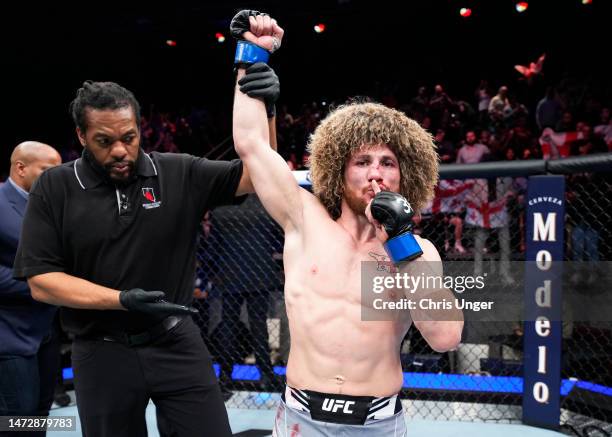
{"points": [[149, 195]]}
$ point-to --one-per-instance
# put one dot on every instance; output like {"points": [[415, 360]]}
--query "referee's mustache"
{"points": [[122, 163]]}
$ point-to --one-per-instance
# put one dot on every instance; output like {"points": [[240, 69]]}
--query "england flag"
{"points": [[488, 215], [449, 197], [557, 144]]}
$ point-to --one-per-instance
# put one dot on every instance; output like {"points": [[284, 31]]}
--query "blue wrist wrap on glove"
{"points": [[249, 53], [404, 247]]}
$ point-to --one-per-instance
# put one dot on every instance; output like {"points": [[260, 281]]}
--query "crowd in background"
{"points": [[558, 125], [563, 119]]}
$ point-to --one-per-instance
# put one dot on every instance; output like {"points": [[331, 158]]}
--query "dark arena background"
{"points": [[442, 62]]}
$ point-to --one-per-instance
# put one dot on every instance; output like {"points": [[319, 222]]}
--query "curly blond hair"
{"points": [[351, 127]]}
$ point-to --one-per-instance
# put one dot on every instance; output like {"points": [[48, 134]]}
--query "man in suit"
{"points": [[29, 360]]}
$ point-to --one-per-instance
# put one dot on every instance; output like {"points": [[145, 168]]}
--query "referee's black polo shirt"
{"points": [[141, 235]]}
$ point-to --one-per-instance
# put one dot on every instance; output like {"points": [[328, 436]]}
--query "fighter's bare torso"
{"points": [[332, 349]]}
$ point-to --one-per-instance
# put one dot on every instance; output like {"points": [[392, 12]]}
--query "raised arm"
{"points": [[271, 177], [246, 186]]}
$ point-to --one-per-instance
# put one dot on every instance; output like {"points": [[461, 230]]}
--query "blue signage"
{"points": [[542, 326]]}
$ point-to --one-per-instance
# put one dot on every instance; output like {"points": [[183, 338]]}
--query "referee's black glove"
{"points": [[151, 303], [260, 81]]}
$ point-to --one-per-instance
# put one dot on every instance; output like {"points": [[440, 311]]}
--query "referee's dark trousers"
{"points": [[114, 382]]}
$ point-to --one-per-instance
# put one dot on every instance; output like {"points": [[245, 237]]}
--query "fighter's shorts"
{"points": [[303, 413]]}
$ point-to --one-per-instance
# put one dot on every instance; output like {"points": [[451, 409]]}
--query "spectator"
{"points": [[604, 128], [484, 213], [566, 124], [517, 138], [485, 138], [483, 97], [443, 211], [472, 152], [284, 133], [439, 105], [585, 129], [304, 163], [548, 110], [450, 196], [518, 186], [499, 106], [419, 105], [464, 113], [514, 111], [604, 117], [557, 144], [426, 123], [446, 149], [284, 118]]}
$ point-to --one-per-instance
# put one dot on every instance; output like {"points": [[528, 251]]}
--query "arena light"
{"points": [[587, 2], [220, 37], [171, 43], [319, 28], [521, 6], [465, 12]]}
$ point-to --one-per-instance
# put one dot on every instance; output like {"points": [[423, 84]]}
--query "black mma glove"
{"points": [[240, 22], [261, 81], [151, 303], [394, 213]]}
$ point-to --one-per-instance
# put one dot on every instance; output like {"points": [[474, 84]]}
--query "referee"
{"points": [[111, 237]]}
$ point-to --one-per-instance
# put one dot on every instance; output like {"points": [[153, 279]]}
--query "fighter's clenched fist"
{"points": [[258, 28]]}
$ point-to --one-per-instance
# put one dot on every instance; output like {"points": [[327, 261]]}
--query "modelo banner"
{"points": [[542, 327]]}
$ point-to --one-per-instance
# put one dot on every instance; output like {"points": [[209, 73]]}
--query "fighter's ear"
{"points": [[81, 136]]}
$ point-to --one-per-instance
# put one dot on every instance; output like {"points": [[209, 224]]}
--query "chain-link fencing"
{"points": [[586, 358]]}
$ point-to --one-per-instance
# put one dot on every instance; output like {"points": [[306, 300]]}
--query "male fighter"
{"points": [[343, 373]]}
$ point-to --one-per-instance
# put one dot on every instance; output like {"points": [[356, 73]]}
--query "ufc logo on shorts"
{"points": [[334, 405]]}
